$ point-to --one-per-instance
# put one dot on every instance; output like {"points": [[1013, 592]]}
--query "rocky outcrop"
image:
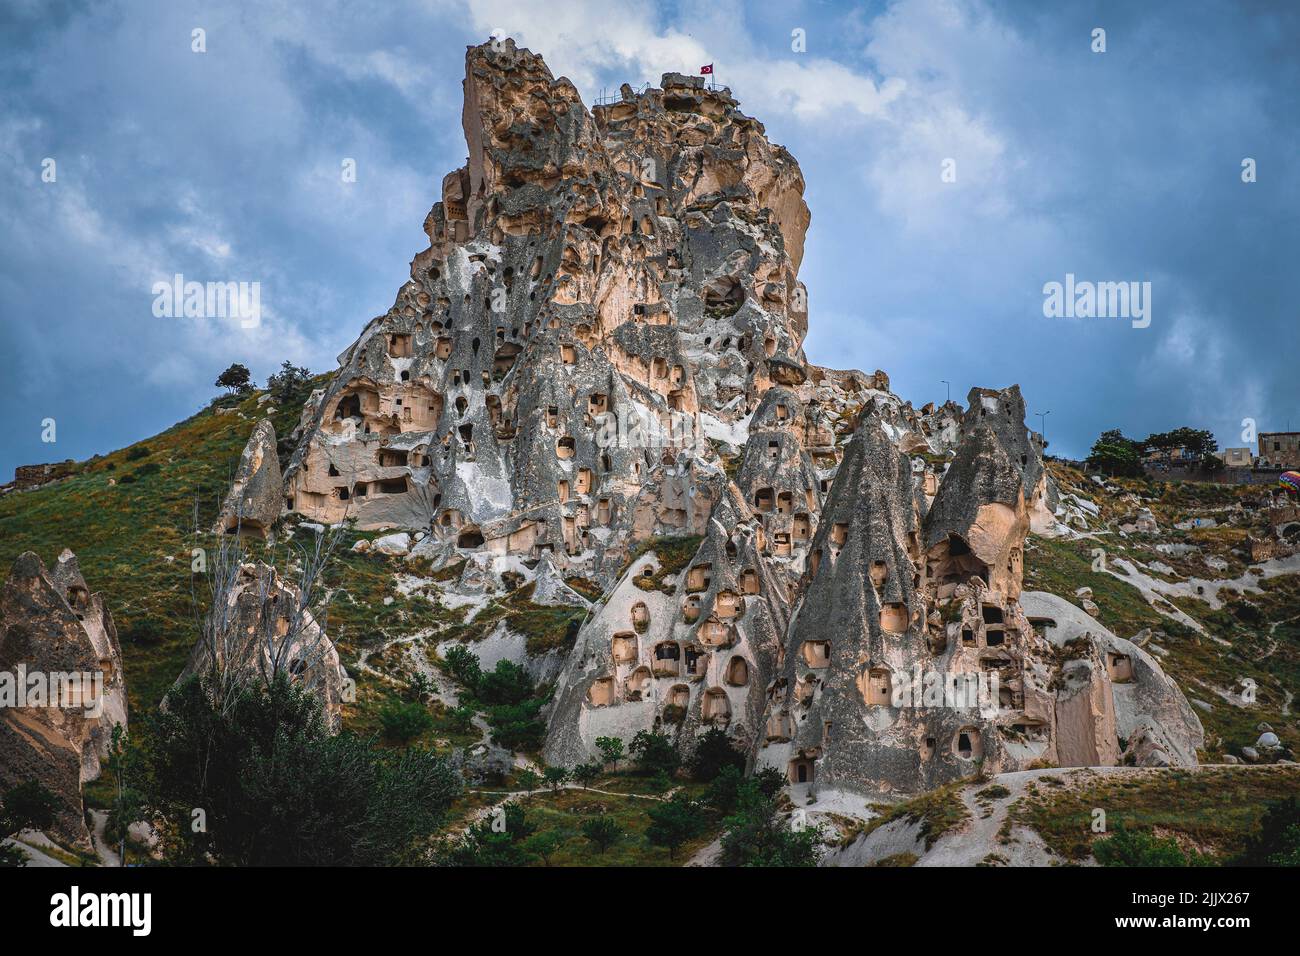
{"points": [[254, 500], [596, 369], [61, 686], [678, 649], [261, 628], [1153, 724]]}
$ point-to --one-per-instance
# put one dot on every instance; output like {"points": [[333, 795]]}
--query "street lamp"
{"points": [[949, 384], [1042, 426]]}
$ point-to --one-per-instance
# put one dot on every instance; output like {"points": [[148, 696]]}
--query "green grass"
{"points": [[564, 813], [1213, 810], [673, 554], [938, 812], [122, 534], [1062, 566]]}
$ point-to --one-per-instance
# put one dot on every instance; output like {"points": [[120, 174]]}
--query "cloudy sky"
{"points": [[225, 165]]}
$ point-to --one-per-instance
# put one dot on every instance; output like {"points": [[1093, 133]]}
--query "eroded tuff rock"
{"points": [[1152, 717], [253, 502], [51, 625], [260, 628], [598, 364]]}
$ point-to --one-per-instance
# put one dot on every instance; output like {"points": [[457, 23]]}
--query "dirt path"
{"points": [[104, 849]]}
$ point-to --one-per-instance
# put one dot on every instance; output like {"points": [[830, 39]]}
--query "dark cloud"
{"points": [[225, 166]]}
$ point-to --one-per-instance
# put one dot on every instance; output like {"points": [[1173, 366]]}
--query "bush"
{"points": [[1138, 848], [499, 839], [146, 631], [1277, 842]]}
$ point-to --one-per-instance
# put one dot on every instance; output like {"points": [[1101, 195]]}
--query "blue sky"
{"points": [[225, 166]]}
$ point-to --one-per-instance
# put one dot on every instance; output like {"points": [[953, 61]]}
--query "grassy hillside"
{"points": [[125, 515], [1255, 635]]}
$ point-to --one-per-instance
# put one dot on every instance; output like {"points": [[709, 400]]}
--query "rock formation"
{"points": [[260, 627], [61, 690], [253, 502], [598, 364]]}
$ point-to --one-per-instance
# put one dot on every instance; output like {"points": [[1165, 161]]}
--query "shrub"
{"points": [[145, 631], [1138, 848], [1277, 842]]}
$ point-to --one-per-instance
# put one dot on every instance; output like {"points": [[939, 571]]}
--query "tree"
{"points": [[463, 665], [275, 788], [119, 762], [674, 821], [1196, 441], [462, 717], [611, 749], [1116, 455], [724, 793], [518, 726], [543, 845], [555, 777], [714, 752], [237, 378], [291, 386], [602, 831], [28, 806], [755, 834], [506, 684], [654, 753], [403, 721], [419, 687], [529, 779], [585, 773]]}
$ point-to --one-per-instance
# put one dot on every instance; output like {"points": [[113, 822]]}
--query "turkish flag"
{"points": [[705, 70]]}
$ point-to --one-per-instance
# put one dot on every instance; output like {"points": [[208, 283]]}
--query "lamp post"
{"points": [[1042, 426], [949, 384]]}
